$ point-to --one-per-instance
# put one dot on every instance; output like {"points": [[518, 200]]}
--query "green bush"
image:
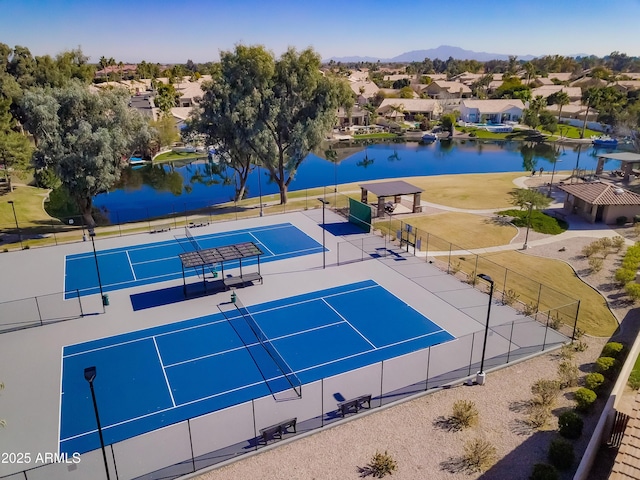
{"points": [[593, 381], [607, 366], [634, 379], [561, 454], [544, 471], [625, 275], [570, 424], [584, 398], [633, 290], [612, 349], [540, 222]]}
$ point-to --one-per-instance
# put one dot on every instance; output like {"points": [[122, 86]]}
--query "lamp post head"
{"points": [[486, 278], [92, 232], [323, 201], [10, 201], [90, 374]]}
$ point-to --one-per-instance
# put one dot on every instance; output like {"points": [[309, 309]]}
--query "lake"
{"points": [[156, 190]]}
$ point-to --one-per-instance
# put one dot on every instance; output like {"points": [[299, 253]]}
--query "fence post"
{"points": [[475, 270], [575, 323], [510, 337], [255, 431], [426, 382], [546, 329], [449, 262], [381, 380], [38, 307], [426, 252], [80, 302], [321, 402], [53, 230], [193, 459]]}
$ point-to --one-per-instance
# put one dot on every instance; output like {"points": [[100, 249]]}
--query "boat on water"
{"points": [[429, 137], [133, 161], [604, 141]]}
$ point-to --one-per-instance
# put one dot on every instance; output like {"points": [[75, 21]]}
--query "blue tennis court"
{"points": [[158, 262], [155, 377]]}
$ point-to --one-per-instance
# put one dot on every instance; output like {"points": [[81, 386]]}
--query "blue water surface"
{"points": [[156, 190]]}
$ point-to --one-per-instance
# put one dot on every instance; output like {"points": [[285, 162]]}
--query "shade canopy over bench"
{"points": [[394, 189]]}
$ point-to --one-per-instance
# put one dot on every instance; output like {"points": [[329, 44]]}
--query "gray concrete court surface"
{"points": [[31, 358]]}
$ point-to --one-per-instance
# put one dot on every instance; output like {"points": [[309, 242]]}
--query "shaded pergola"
{"points": [[393, 189], [628, 160], [210, 257]]}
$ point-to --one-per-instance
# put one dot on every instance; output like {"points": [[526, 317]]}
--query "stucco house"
{"points": [[409, 108], [599, 202], [444, 89], [575, 93], [357, 116], [495, 111]]}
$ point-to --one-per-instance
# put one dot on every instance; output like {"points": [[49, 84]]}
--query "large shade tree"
{"points": [[277, 111], [85, 137]]}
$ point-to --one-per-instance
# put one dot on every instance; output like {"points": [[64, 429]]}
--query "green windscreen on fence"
{"points": [[360, 214]]}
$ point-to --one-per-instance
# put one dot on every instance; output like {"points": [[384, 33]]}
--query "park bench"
{"points": [[355, 404], [160, 228], [277, 430], [198, 224], [241, 280]]}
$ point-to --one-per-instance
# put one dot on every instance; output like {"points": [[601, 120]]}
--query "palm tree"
{"points": [[562, 99], [530, 68], [590, 98]]}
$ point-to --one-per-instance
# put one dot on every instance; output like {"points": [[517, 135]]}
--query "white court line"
{"points": [[61, 392], [164, 372], [265, 247], [131, 266], [349, 323]]}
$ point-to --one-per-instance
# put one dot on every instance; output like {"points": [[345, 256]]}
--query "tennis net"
{"points": [[192, 239], [280, 362]]}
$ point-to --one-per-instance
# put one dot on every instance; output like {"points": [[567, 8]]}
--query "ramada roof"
{"points": [[597, 193]]}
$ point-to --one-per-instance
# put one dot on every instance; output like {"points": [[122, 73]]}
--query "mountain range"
{"points": [[443, 52]]}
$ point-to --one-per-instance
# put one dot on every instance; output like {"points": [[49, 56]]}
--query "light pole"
{"points": [[324, 250], [92, 233], [481, 376], [15, 217], [90, 376], [260, 189], [526, 237]]}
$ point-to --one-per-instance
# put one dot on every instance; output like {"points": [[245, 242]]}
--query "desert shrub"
{"points": [[570, 424], [605, 244], [595, 264], [584, 398], [580, 346], [568, 374], [479, 455], [612, 349], [606, 366], [454, 267], [634, 379], [510, 297], [465, 414], [561, 454], [593, 381], [529, 309], [625, 275], [544, 471], [380, 465], [591, 249], [538, 415], [567, 352], [617, 243], [545, 392], [555, 322]]}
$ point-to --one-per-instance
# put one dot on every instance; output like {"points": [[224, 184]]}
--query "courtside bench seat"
{"points": [[277, 430], [242, 279], [355, 404]]}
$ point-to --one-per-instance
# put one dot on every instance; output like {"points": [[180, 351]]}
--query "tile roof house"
{"points": [[410, 108], [444, 89], [496, 110], [599, 202], [369, 89], [575, 93], [627, 462]]}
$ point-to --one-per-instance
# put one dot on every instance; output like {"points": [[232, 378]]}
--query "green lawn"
{"points": [[173, 156], [374, 136]]}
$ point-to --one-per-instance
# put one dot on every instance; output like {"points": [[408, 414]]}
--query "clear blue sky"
{"points": [[168, 32]]}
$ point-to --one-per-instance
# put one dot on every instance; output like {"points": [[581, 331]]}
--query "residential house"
{"points": [[625, 86], [396, 77], [393, 92], [127, 69], [406, 109], [356, 116], [575, 93], [365, 89], [560, 76], [444, 89], [494, 111], [574, 111]]}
